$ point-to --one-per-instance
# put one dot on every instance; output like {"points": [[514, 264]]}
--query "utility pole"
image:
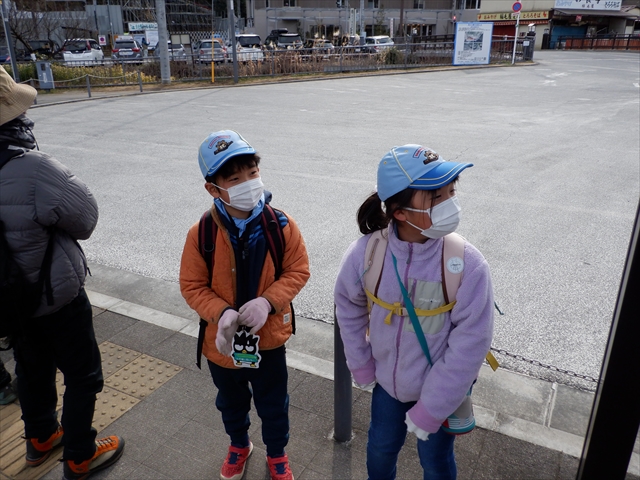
{"points": [[7, 33], [163, 39], [232, 39]]}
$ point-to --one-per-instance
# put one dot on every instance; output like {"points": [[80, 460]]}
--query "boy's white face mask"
{"points": [[445, 218], [244, 197]]}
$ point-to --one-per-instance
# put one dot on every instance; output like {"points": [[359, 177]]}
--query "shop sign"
{"points": [[590, 4], [140, 26], [490, 17]]}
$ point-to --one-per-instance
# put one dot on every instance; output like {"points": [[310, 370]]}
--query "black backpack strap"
{"points": [[207, 231], [274, 237], [275, 244], [6, 155]]}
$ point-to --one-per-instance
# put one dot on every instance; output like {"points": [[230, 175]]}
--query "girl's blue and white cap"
{"points": [[219, 147], [414, 166]]}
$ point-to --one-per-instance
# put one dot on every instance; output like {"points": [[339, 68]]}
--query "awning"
{"points": [[594, 13], [522, 22]]}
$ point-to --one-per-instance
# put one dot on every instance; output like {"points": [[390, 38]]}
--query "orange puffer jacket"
{"points": [[210, 302]]}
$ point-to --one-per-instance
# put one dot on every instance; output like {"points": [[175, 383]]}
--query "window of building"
{"points": [[468, 4], [418, 4], [374, 4], [289, 3]]}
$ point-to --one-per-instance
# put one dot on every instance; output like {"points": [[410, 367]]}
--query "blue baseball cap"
{"points": [[415, 166], [219, 147]]}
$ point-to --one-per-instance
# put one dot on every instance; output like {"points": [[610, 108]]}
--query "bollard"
{"points": [[342, 393], [140, 80], [31, 82], [88, 85]]}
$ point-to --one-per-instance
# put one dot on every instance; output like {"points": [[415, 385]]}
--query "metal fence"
{"points": [[306, 61], [599, 42]]}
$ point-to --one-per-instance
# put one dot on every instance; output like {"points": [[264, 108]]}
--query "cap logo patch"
{"points": [[430, 156], [214, 140], [417, 153], [221, 146]]}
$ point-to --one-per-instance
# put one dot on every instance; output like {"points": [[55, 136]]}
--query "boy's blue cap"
{"points": [[219, 147], [414, 166]]}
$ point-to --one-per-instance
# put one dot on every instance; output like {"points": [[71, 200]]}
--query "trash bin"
{"points": [[528, 44], [45, 77]]}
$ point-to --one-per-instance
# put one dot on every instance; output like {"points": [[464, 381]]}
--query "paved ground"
{"points": [[544, 139], [176, 432]]}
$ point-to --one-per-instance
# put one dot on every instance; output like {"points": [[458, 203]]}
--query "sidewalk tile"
{"points": [[571, 410]]}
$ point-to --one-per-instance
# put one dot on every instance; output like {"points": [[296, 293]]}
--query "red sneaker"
{"points": [[39, 450], [279, 468], [236, 461]]}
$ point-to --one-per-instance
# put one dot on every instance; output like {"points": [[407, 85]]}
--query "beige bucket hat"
{"points": [[15, 98]]}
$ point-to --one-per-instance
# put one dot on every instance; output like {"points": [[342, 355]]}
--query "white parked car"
{"points": [[82, 51], [379, 43], [248, 48]]}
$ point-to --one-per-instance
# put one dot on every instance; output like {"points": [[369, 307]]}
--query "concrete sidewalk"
{"points": [[528, 428]]}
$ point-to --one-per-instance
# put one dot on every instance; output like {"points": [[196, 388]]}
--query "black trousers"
{"points": [[5, 377], [64, 339], [269, 391]]}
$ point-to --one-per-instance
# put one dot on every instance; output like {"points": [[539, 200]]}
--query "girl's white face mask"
{"points": [[445, 218], [244, 197]]}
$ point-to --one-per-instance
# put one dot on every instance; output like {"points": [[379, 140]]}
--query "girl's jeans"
{"points": [[387, 433]]}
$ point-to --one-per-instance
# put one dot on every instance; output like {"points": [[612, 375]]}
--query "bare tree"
{"points": [[48, 22]]}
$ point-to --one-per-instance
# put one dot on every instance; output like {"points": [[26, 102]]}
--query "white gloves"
{"points": [[254, 313], [412, 427], [227, 327]]}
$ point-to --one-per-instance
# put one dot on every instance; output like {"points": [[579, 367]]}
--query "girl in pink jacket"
{"points": [[421, 368]]}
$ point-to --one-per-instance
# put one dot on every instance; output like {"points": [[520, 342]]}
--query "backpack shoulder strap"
{"points": [[6, 155], [374, 260], [273, 236], [207, 231], [452, 265]]}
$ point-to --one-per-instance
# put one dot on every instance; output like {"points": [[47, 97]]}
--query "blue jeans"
{"points": [[387, 433], [268, 387]]}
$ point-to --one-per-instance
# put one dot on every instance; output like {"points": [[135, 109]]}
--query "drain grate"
{"points": [[130, 377]]}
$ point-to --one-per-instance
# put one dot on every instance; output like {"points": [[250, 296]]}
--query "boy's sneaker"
{"points": [[236, 461], [108, 451], [279, 468], [38, 450], [462, 420]]}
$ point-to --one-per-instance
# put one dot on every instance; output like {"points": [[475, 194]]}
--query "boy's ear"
{"points": [[212, 189]]}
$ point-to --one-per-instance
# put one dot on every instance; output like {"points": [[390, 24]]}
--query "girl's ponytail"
{"points": [[371, 217]]}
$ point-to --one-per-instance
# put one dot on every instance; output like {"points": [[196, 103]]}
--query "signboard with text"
{"points": [[141, 26], [492, 17], [590, 4], [472, 44]]}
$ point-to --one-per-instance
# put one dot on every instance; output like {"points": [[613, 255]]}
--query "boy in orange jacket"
{"points": [[246, 308]]}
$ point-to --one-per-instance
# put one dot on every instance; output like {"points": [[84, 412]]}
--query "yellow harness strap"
{"points": [[398, 309]]}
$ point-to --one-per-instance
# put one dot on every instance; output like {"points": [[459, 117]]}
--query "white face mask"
{"points": [[445, 218], [245, 196]]}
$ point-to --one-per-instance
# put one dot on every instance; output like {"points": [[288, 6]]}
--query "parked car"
{"points": [[82, 51], [203, 51], [177, 52], [317, 49], [281, 39], [126, 48], [41, 48], [5, 57], [249, 47], [378, 43]]}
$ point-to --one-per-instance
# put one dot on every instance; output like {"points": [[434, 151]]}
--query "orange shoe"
{"points": [[108, 451], [38, 451], [236, 461], [279, 468]]}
